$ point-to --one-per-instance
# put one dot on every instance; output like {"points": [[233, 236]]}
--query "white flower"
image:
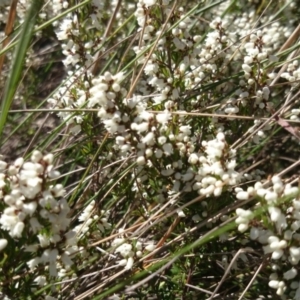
{"points": [[186, 130], [149, 152], [36, 156], [274, 284], [163, 118], [168, 149], [125, 250], [254, 233], [44, 240], [33, 263], [218, 191], [149, 2], [141, 160], [294, 252], [150, 247], [188, 176], [277, 254], [243, 227], [19, 162], [180, 213], [16, 232], [3, 166], [58, 190], [129, 264], [167, 172], [3, 244], [244, 216], [52, 269], [117, 241], [40, 280], [35, 225], [162, 140], [149, 139], [242, 195], [31, 248], [111, 126], [29, 208], [193, 158], [271, 196], [85, 215], [290, 274], [49, 255], [142, 127], [122, 262], [275, 213], [66, 260]]}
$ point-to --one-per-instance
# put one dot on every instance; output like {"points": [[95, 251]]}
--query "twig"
{"points": [[251, 281]]}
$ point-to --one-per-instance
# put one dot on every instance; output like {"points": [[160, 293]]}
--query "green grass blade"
{"points": [[19, 56]]}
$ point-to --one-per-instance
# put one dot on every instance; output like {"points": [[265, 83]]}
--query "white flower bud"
{"points": [[290, 274], [36, 156], [275, 213], [3, 165], [180, 213], [129, 264], [294, 252], [242, 195], [274, 284], [150, 247], [254, 233], [243, 227], [122, 262], [17, 230], [141, 160], [246, 68], [48, 158], [3, 244], [193, 158]]}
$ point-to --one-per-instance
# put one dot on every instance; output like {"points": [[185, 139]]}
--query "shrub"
{"points": [[170, 166]]}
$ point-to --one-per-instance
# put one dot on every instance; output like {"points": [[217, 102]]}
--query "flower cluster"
{"points": [[24, 191], [36, 207], [217, 168], [292, 73], [74, 98], [87, 218], [280, 237], [130, 250]]}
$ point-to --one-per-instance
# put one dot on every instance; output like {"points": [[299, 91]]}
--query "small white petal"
{"points": [[150, 247], [243, 227], [3, 244], [242, 195], [277, 254], [129, 264]]}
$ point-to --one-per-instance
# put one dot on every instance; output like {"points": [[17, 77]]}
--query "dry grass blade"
{"points": [[252, 280], [8, 29]]}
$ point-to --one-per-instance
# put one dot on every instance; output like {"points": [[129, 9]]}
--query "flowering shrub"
{"points": [[174, 122]]}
